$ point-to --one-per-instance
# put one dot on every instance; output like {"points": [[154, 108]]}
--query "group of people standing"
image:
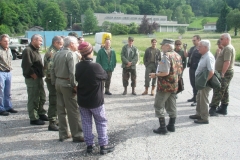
{"points": [[76, 84]]}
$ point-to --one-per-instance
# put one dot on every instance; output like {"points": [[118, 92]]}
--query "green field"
{"points": [[197, 22], [143, 41]]}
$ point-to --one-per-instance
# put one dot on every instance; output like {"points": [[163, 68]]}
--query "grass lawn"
{"points": [[197, 23], [142, 42]]}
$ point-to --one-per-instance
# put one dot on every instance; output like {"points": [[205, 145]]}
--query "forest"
{"points": [[16, 16]]}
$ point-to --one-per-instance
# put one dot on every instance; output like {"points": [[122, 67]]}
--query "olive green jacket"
{"points": [[48, 61], [132, 57]]}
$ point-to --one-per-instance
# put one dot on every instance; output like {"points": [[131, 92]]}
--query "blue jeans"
{"points": [[5, 91]]}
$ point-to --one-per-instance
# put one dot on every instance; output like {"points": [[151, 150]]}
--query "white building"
{"points": [[164, 25], [210, 27]]}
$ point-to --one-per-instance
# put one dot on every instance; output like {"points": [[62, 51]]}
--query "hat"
{"points": [[74, 34], [167, 41], [130, 38], [85, 48], [218, 41]]}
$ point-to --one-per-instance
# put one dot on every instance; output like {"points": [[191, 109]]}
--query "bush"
{"points": [[4, 29]]}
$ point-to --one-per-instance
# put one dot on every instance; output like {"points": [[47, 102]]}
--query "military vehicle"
{"points": [[17, 46]]}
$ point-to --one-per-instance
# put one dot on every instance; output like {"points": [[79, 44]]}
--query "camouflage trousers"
{"points": [[107, 82], [222, 94], [151, 68], [126, 75]]}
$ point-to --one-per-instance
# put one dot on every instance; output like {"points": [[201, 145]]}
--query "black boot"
{"points": [[222, 109], [52, 126], [125, 91], [170, 126], [162, 129], [133, 91], [193, 99], [212, 111], [106, 149]]}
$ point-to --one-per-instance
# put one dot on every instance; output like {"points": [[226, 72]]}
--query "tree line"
{"points": [[16, 16]]}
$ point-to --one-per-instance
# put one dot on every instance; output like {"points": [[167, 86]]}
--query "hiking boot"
{"points": [[107, 91], [191, 100], [90, 149], [4, 113], [212, 111], [194, 104], [152, 91], [162, 129], [133, 91], [106, 149], [37, 122], [146, 91], [43, 117], [222, 109], [125, 91], [170, 126], [78, 140], [52, 126], [63, 138], [195, 116], [12, 110], [201, 121]]}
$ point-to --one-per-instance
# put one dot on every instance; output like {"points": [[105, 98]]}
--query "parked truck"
{"points": [[17, 46]]}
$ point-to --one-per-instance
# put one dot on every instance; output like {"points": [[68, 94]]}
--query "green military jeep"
{"points": [[17, 47]]}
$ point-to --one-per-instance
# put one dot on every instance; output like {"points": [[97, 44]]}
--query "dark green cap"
{"points": [[73, 34], [167, 41], [130, 38]]}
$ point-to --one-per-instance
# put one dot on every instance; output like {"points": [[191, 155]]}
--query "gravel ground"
{"points": [[130, 124]]}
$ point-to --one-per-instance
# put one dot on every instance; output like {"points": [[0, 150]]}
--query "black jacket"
{"points": [[147, 56], [89, 76], [194, 58], [32, 62]]}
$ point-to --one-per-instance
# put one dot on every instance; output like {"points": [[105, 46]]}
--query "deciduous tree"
{"points": [[233, 20], [90, 22]]}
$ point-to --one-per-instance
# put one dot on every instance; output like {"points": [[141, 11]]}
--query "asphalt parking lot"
{"points": [[130, 124]]}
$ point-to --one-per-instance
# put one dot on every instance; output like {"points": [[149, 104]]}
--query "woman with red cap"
{"points": [[90, 99]]}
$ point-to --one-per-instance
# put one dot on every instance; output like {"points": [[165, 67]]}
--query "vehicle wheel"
{"points": [[19, 56], [14, 54]]}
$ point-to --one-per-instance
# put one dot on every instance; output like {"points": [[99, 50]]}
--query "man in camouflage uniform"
{"points": [[224, 65], [129, 56], [57, 43], [151, 58], [168, 72]]}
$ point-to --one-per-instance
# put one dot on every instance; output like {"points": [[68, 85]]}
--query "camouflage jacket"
{"points": [[48, 61], [169, 83]]}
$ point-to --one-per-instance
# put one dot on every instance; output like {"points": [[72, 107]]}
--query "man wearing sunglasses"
{"points": [[224, 66], [194, 57], [180, 51]]}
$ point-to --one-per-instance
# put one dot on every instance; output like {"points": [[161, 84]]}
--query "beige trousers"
{"points": [[67, 107], [203, 103]]}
